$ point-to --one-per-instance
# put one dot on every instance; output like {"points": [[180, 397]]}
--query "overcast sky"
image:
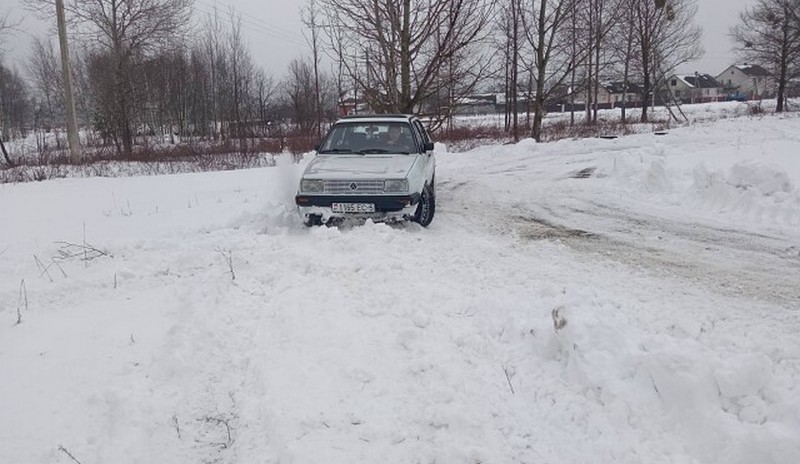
{"points": [[272, 29], [275, 34]]}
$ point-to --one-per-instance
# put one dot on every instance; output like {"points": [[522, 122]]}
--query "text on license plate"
{"points": [[353, 207]]}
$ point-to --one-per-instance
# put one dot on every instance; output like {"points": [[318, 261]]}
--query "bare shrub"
{"points": [[82, 251], [755, 108], [563, 130], [559, 130], [300, 144], [559, 321], [227, 255], [66, 451], [151, 159], [23, 298], [465, 138]]}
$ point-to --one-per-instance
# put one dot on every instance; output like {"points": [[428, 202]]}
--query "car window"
{"points": [[366, 137], [422, 131], [418, 139]]}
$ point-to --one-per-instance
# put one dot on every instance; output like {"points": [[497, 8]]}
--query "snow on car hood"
{"points": [[360, 166]]}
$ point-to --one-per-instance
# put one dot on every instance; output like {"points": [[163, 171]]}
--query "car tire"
{"points": [[426, 207]]}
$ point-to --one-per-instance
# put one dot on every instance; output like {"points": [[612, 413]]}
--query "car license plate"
{"points": [[353, 207]]}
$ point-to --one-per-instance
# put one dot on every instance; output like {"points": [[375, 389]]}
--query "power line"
{"points": [[260, 25], [258, 30], [216, 3]]}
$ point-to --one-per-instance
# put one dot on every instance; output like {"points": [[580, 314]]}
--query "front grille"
{"points": [[353, 187]]}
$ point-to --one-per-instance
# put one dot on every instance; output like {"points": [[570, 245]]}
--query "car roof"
{"points": [[376, 118]]}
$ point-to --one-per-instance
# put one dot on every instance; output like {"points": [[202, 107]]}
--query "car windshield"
{"points": [[367, 138]]}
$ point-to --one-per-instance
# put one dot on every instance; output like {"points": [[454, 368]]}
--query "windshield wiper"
{"points": [[381, 151], [336, 150], [372, 151]]}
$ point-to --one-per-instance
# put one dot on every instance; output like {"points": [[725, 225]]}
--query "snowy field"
{"points": [[28, 148], [634, 300], [697, 112]]}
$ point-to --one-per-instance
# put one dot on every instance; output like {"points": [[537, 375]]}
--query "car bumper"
{"points": [[387, 207]]}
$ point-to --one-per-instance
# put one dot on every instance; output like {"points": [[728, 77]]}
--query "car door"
{"points": [[428, 156]]}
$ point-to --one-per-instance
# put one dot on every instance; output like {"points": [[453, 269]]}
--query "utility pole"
{"points": [[69, 101]]}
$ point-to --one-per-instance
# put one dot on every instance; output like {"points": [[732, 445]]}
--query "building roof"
{"points": [[703, 81], [752, 70], [477, 99]]}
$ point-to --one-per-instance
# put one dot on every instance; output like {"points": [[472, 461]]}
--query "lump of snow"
{"points": [[703, 178], [755, 174], [656, 179], [744, 375], [528, 144]]}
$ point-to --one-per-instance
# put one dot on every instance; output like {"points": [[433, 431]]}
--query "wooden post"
{"points": [[69, 101]]}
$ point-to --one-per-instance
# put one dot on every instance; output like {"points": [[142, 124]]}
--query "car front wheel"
{"points": [[426, 208]]}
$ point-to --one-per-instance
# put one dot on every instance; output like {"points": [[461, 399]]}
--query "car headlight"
{"points": [[312, 185], [395, 185]]}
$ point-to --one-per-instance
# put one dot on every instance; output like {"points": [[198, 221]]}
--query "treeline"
{"points": [[147, 70], [140, 78]]}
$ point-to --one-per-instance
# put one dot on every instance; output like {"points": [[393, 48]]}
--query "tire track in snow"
{"points": [[704, 255], [700, 254]]}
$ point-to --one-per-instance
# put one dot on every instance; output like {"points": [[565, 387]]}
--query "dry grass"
{"points": [[149, 158], [559, 130], [153, 159], [465, 138]]}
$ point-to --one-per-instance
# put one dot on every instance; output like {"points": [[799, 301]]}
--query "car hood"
{"points": [[360, 166]]}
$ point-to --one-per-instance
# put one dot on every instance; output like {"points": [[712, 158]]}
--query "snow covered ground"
{"points": [[696, 112], [634, 300]]}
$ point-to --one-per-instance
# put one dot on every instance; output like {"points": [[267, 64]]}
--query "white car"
{"points": [[380, 167]]}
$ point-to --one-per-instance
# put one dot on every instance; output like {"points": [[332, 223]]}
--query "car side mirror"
{"points": [[427, 146], [316, 147]]}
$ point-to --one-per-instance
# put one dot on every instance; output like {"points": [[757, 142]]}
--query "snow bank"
{"points": [[766, 179], [739, 176]]}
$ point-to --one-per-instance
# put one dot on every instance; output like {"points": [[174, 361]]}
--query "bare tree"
{"points": [[510, 25], [125, 32], [44, 69], [199, 93], [666, 37], [213, 40], [172, 85], [299, 88], [768, 33], [588, 16], [241, 67], [396, 51], [336, 41], [165, 98], [310, 16], [603, 16], [623, 45], [265, 93], [15, 107], [7, 26], [577, 53], [548, 36]]}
